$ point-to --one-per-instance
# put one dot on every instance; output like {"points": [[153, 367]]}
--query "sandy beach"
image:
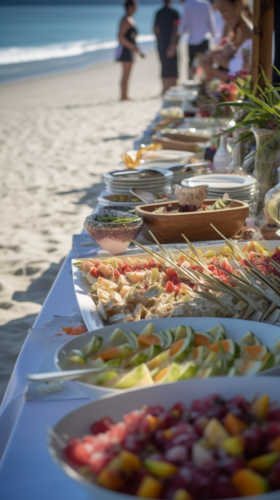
{"points": [[58, 134]]}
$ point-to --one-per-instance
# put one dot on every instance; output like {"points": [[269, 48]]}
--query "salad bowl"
{"points": [[235, 330], [78, 423]]}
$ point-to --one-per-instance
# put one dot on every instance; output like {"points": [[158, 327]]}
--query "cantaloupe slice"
{"points": [[202, 338], [226, 346], [180, 349]]}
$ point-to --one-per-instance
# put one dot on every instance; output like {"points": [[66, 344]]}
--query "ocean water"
{"points": [[47, 39]]}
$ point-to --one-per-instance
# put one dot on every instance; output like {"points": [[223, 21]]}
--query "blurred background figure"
{"points": [[165, 29], [221, 28], [127, 48], [235, 54], [197, 20]]}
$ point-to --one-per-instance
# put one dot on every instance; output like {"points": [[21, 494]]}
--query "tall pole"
{"points": [[263, 25]]}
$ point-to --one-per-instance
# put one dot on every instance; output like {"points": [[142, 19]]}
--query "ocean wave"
{"points": [[13, 55]]}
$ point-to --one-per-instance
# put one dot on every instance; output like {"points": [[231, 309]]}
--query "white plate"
{"points": [[78, 422], [223, 181], [235, 328], [82, 288]]}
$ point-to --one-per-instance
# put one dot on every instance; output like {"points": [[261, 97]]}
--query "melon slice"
{"points": [[132, 339], [93, 345], [232, 372], [199, 353], [122, 351], [225, 346], [137, 359], [106, 377], [245, 367], [169, 374], [152, 351], [218, 332], [211, 371], [137, 377], [202, 338], [180, 349], [255, 352], [160, 361], [188, 370], [181, 333], [117, 337], [268, 361], [250, 339], [148, 340], [148, 330]]}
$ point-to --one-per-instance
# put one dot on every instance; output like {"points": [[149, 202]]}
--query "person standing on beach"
{"points": [[198, 21], [127, 48], [165, 29]]}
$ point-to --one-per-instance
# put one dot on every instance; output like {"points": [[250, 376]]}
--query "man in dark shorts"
{"points": [[165, 28], [198, 21]]}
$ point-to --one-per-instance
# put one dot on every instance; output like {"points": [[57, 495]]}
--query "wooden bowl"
{"points": [[168, 227]]}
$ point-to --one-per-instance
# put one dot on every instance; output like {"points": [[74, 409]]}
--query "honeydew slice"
{"points": [[168, 337], [152, 351], [211, 359], [169, 374], [268, 361], [181, 333], [232, 372], [180, 349], [189, 370], [160, 361], [276, 348], [137, 377], [245, 367], [77, 357], [225, 346], [148, 330], [218, 332], [117, 337], [137, 359], [97, 363], [212, 371], [199, 353], [106, 377], [132, 339], [93, 345], [250, 339], [255, 352]]}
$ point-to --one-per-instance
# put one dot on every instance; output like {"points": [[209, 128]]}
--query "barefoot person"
{"points": [[198, 21], [165, 29], [127, 47]]}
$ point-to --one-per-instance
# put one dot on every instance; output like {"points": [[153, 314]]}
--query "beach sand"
{"points": [[58, 134]]}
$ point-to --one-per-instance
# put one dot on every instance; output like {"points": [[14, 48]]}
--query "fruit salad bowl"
{"points": [[200, 413], [169, 350]]}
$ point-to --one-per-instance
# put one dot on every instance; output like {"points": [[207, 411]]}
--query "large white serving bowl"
{"points": [[77, 423], [235, 329]]}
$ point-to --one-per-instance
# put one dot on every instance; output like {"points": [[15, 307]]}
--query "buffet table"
{"points": [[27, 470]]}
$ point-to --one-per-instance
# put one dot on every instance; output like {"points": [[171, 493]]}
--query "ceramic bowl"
{"points": [[78, 422], [113, 236]]}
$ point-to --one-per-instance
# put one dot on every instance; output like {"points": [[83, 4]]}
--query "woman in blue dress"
{"points": [[127, 48]]}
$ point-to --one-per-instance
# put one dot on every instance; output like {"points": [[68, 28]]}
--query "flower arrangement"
{"points": [[220, 92]]}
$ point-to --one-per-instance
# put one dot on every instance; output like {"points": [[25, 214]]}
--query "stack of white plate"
{"points": [[156, 181], [238, 187]]}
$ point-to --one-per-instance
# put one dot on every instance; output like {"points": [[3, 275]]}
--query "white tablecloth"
{"points": [[27, 471]]}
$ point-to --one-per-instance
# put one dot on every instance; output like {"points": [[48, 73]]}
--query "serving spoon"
{"points": [[68, 374]]}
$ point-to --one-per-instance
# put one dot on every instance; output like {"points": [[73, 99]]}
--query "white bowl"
{"points": [[77, 423], [235, 329]]}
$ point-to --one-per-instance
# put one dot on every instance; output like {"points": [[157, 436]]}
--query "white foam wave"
{"points": [[13, 55]]}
